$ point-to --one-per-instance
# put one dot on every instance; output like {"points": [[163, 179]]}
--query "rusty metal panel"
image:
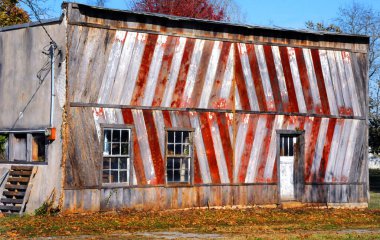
{"points": [[175, 72], [329, 148]]}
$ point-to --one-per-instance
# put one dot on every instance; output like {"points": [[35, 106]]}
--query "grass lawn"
{"points": [[374, 202], [255, 223]]}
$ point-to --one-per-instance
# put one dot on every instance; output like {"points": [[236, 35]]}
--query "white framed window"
{"points": [[116, 154], [179, 160], [23, 147]]}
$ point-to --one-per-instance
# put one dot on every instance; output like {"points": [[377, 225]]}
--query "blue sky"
{"points": [[282, 13]]}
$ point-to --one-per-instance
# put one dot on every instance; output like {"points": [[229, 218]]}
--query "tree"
{"points": [[320, 26], [99, 3], [374, 136], [11, 13], [364, 20], [219, 10], [360, 19]]}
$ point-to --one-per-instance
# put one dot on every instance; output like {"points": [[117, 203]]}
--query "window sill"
{"points": [[178, 184], [23, 163], [115, 185]]}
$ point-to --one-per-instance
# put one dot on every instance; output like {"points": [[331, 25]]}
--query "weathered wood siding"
{"points": [[140, 69], [234, 90], [82, 15]]}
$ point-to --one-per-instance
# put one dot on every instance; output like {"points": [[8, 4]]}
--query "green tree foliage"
{"points": [[3, 145], [374, 136], [11, 13], [320, 26]]}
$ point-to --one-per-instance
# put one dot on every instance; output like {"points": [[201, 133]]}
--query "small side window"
{"points": [[178, 156], [116, 155], [23, 147]]}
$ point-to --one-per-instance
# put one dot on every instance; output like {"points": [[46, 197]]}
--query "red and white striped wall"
{"points": [[176, 72], [239, 148]]}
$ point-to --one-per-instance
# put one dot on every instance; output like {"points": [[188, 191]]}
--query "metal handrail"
{"points": [[4, 177]]}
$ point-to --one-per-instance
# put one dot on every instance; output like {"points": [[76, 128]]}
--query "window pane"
{"points": [[177, 176], [125, 149], [185, 163], [291, 146], [114, 176], [38, 147], [286, 146], [19, 147], [106, 163], [106, 175], [107, 149], [186, 137], [123, 163], [178, 136], [124, 135], [3, 147], [177, 163], [170, 163], [171, 149], [170, 175], [115, 135], [170, 137], [115, 148], [114, 163], [107, 135], [123, 176], [178, 149], [185, 176], [186, 150]]}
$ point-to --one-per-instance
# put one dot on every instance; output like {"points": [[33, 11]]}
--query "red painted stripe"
{"points": [[201, 76], [248, 144], [137, 160], [304, 79], [256, 76], [226, 142], [215, 101], [326, 150], [293, 106], [158, 161], [265, 149], [184, 69], [209, 147], [184, 119], [320, 80], [273, 77], [162, 79], [240, 83], [167, 120], [138, 92], [301, 123], [309, 155]]}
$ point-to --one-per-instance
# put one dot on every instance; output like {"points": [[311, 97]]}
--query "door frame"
{"points": [[298, 176]]}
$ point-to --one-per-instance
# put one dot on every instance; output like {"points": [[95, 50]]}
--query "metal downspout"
{"points": [[52, 48]]}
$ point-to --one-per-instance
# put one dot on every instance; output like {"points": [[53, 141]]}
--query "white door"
{"points": [[287, 151]]}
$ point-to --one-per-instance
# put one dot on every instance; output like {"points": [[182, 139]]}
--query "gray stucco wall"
{"points": [[21, 62]]}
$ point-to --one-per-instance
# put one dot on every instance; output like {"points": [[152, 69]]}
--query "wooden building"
{"points": [[151, 111]]}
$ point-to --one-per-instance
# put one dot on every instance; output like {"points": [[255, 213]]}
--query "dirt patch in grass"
{"points": [[239, 222]]}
